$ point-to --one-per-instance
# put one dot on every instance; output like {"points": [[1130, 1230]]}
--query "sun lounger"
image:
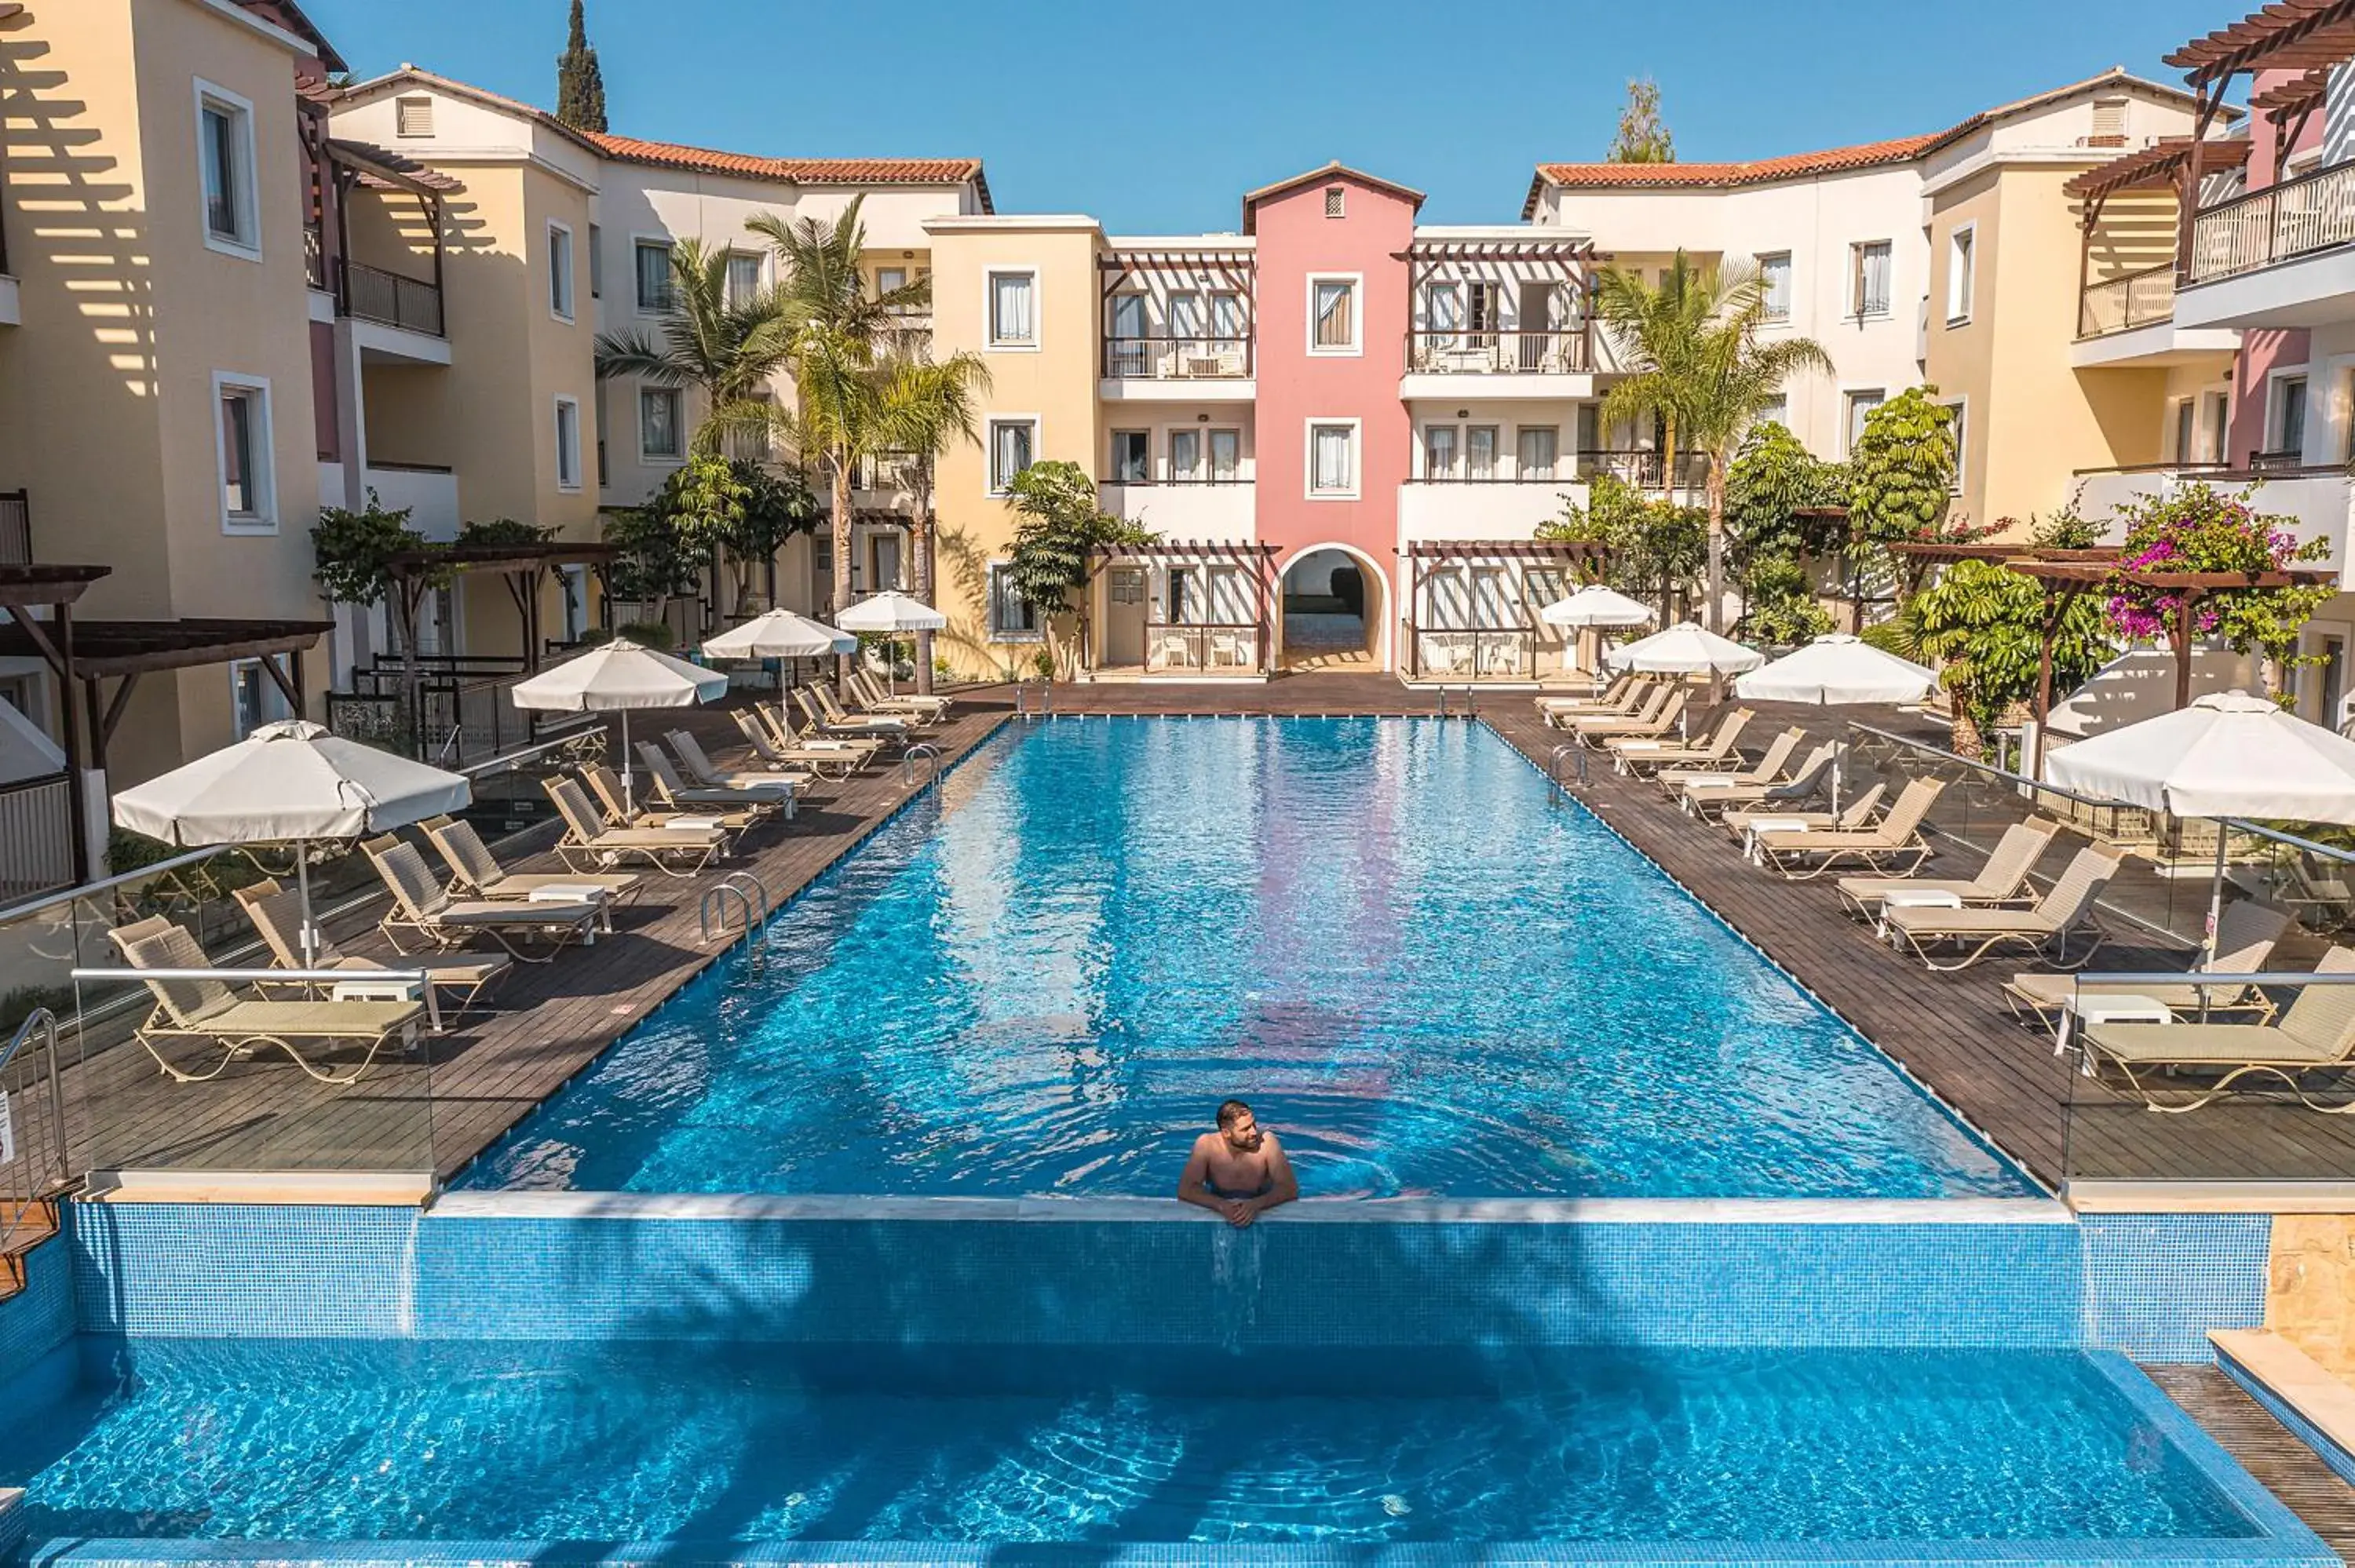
{"points": [[2316, 1035], [2044, 927], [832, 759], [605, 786], [422, 908], [208, 1012], [703, 773], [734, 810], [761, 792], [1712, 796], [876, 700], [886, 729], [1633, 754], [2002, 879], [836, 714], [474, 869], [1858, 814], [781, 734], [1624, 696], [1657, 721], [277, 916], [1766, 770], [2244, 941], [680, 847], [1802, 855]]}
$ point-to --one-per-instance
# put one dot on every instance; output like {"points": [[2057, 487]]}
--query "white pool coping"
{"points": [[1310, 1211]]}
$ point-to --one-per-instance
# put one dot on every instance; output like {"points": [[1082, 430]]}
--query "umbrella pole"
{"points": [[629, 801], [2216, 893], [303, 885]]}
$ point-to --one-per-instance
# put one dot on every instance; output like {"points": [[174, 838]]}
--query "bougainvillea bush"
{"points": [[2197, 529]]}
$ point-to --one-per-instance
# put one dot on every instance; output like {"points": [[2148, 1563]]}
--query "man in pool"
{"points": [[1237, 1171]]}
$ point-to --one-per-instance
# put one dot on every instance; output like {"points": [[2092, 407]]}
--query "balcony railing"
{"points": [[314, 255], [1646, 471], [1563, 352], [2121, 304], [16, 528], [1178, 358], [372, 294], [2297, 218]]}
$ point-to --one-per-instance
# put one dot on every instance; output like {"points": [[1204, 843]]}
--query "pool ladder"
{"points": [[1575, 755], [1022, 709], [745, 892], [922, 752], [1467, 712]]}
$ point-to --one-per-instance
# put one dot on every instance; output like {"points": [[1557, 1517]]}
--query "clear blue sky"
{"points": [[1159, 121]]}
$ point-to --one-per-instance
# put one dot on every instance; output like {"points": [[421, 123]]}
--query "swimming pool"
{"points": [[1427, 974], [376, 1441]]}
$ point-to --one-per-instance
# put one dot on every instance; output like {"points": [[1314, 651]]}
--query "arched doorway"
{"points": [[1335, 604]]}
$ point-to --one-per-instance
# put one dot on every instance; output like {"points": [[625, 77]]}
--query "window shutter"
{"points": [[2109, 121], [1333, 201], [412, 116]]}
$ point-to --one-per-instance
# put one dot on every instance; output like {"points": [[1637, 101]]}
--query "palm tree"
{"points": [[844, 347], [928, 406], [1693, 360]]}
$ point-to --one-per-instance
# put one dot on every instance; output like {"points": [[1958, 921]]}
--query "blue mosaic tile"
{"points": [[39, 1317], [204, 1269], [2154, 1284]]}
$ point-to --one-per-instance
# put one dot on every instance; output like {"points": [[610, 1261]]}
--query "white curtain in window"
{"points": [[743, 280], [1439, 451], [1185, 454], [1226, 456], [1480, 453], [1442, 308], [1330, 470], [1010, 308], [1536, 451], [1011, 453], [1447, 600], [1227, 321], [1128, 315], [1186, 315], [1774, 274], [1230, 598], [1872, 280], [653, 275], [1007, 612], [1492, 596], [1334, 328]]}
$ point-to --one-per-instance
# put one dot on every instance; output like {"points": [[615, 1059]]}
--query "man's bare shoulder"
{"points": [[1208, 1144]]}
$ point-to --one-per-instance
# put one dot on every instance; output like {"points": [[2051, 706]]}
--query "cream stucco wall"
{"points": [[109, 417], [1056, 382]]}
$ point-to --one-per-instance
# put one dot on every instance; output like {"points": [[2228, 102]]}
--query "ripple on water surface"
{"points": [[1426, 974]]}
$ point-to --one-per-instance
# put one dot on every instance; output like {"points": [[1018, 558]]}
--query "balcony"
{"points": [[1204, 510], [401, 316], [1483, 508], [2314, 499], [1502, 364], [1186, 369], [2280, 257], [2129, 321], [1647, 470], [16, 528]]}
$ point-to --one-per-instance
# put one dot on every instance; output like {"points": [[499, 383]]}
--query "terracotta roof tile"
{"points": [[801, 171], [1760, 171]]}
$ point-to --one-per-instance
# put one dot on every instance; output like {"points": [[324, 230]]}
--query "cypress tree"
{"points": [[579, 85]]}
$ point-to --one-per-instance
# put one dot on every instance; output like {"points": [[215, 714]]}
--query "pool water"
{"points": [[570, 1442], [1427, 974]]}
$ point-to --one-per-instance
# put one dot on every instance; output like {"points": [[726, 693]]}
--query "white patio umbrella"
{"points": [[1595, 608], [780, 634], [1685, 649], [2230, 754], [619, 677], [289, 783], [1836, 669], [892, 613]]}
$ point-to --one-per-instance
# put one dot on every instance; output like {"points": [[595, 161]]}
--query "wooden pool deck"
{"points": [[439, 1111]]}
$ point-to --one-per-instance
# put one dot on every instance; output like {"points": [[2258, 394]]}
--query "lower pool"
{"points": [[2023, 1454], [1428, 975]]}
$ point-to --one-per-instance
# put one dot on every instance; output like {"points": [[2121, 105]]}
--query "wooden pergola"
{"points": [[2171, 163], [23, 591], [1420, 553], [1253, 556], [2305, 35]]}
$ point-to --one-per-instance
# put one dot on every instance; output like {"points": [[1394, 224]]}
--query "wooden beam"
{"points": [[286, 688], [124, 687]]}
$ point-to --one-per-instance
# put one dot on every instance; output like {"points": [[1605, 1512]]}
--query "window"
{"points": [[1776, 411], [2285, 425], [225, 150], [1443, 313], [653, 275], [1332, 316], [412, 117], [1012, 619], [1226, 456], [1186, 315], [743, 280], [255, 699], [1774, 284], [1868, 286], [1860, 406], [1333, 201], [1959, 429], [1439, 451], [1131, 457], [1013, 446], [1013, 309], [559, 271], [889, 280], [1536, 450], [1226, 324], [604, 469], [659, 438], [568, 443], [2220, 427], [1333, 459], [1960, 246], [1480, 451], [1185, 457], [596, 262], [242, 430], [2187, 414], [1128, 315]]}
